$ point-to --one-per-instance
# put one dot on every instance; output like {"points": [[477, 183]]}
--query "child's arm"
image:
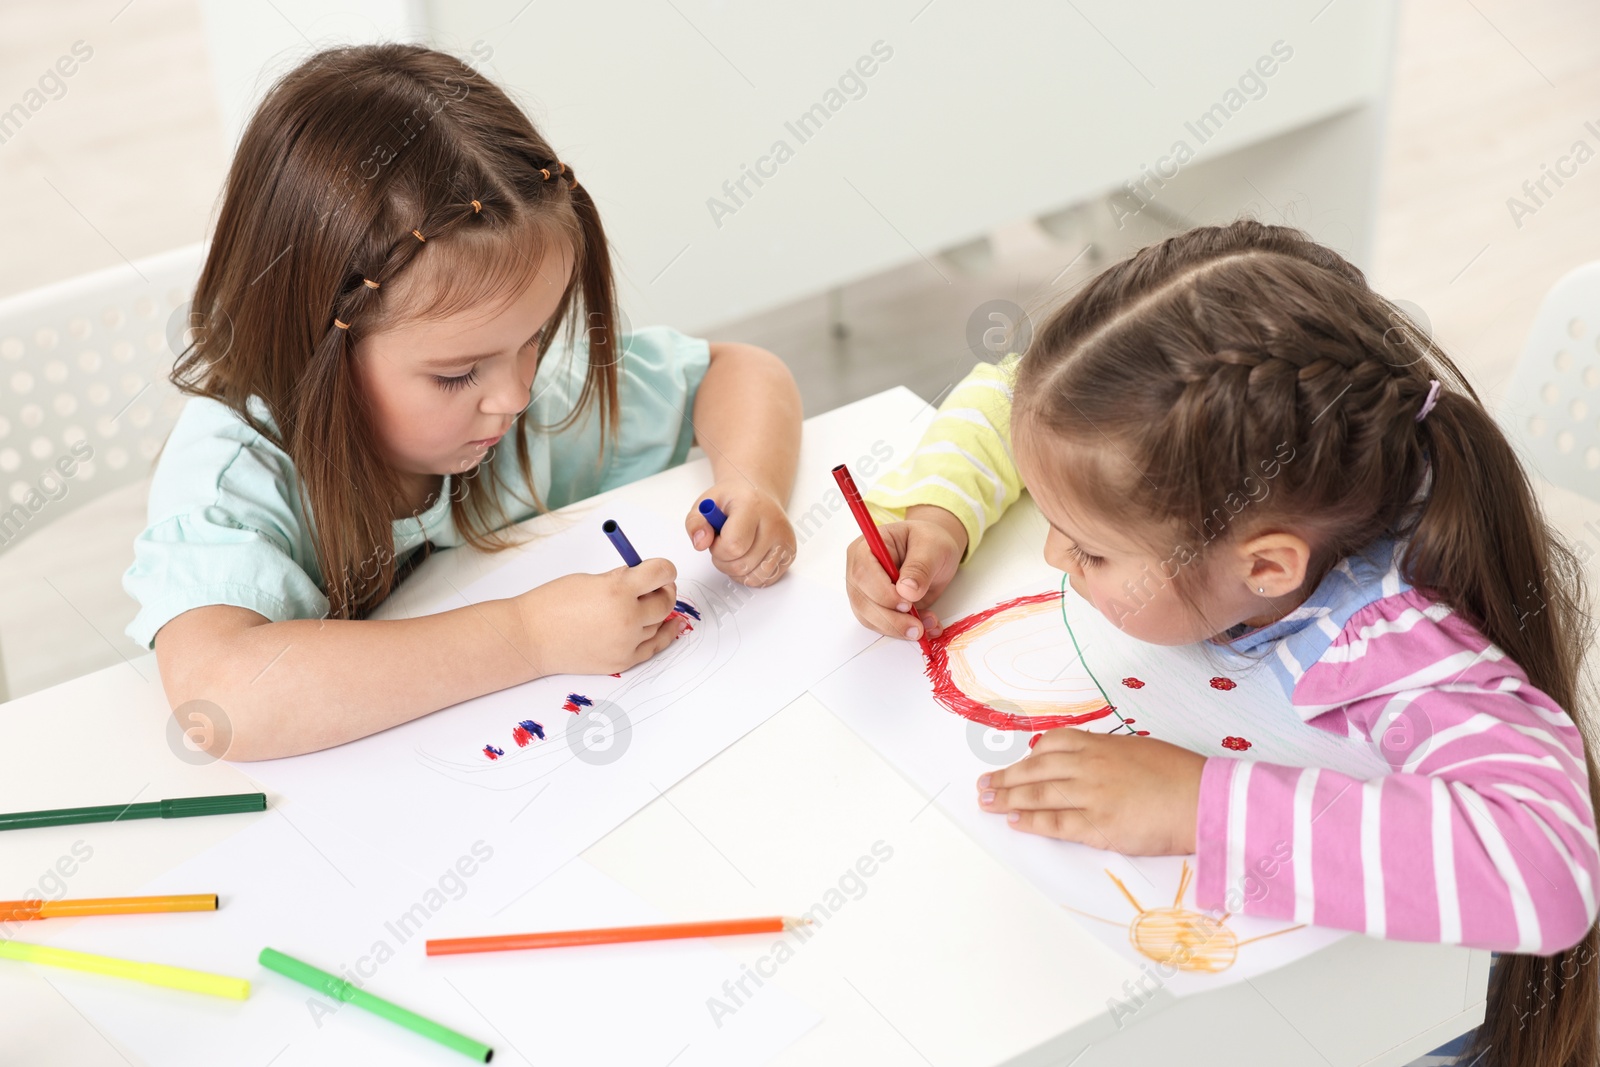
{"points": [[957, 484], [1484, 835], [747, 418], [963, 463], [283, 688]]}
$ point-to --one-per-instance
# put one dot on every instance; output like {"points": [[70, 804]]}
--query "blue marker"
{"points": [[713, 514], [620, 540]]}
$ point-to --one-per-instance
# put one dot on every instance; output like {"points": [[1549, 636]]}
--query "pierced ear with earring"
{"points": [[1261, 589]]}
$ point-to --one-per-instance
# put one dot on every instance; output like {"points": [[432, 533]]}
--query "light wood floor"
{"points": [[129, 161]]}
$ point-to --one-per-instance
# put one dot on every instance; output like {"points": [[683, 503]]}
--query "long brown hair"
{"points": [[1178, 372], [358, 163]]}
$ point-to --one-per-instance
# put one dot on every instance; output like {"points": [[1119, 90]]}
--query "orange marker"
{"points": [[20, 910], [611, 935]]}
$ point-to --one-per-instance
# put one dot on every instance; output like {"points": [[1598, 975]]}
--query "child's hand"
{"points": [[927, 547], [1133, 795], [601, 623], [757, 543]]}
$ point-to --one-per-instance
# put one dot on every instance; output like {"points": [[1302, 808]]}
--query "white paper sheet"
{"points": [[1014, 662], [367, 920], [415, 791]]}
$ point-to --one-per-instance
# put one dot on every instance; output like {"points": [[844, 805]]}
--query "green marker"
{"points": [[337, 988], [181, 808]]}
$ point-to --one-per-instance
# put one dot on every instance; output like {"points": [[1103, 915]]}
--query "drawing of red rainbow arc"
{"points": [[1001, 667]]}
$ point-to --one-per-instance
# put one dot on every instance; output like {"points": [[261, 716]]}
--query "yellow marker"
{"points": [[216, 985]]}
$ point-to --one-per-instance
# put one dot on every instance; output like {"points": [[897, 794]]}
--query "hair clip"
{"points": [[1433, 398]]}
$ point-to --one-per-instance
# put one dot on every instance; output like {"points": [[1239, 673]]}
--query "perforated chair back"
{"points": [[1551, 406], [85, 403]]}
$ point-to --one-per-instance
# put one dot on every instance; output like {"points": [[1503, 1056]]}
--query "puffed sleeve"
{"points": [[660, 374], [963, 462], [225, 527]]}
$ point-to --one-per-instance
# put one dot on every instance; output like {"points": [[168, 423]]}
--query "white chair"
{"points": [[85, 362], [1552, 401]]}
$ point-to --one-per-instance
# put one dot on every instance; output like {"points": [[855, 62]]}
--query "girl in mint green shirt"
{"points": [[405, 338]]}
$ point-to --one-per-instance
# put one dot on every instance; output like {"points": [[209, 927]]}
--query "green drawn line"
{"points": [[1079, 651]]}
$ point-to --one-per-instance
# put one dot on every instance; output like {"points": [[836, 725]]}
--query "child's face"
{"points": [[1121, 578], [443, 391]]}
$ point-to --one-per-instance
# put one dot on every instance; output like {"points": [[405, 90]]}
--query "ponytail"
{"points": [[1482, 545]]}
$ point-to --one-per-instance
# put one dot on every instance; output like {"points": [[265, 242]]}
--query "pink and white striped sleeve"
{"points": [[1482, 835]]}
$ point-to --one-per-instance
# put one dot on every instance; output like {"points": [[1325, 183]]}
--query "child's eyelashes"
{"points": [[1083, 558], [460, 381]]}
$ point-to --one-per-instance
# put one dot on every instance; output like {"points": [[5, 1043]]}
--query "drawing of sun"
{"points": [[1013, 667], [1177, 937]]}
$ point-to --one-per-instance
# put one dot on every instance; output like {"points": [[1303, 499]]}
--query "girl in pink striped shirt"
{"points": [[1397, 579]]}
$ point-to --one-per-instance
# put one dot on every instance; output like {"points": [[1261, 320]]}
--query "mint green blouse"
{"points": [[226, 525]]}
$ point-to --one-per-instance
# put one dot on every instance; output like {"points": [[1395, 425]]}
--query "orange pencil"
{"points": [[611, 935], [20, 910]]}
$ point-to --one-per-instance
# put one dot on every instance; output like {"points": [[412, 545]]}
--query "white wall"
{"points": [[981, 113]]}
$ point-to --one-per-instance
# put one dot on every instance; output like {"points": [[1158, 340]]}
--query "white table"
{"points": [[946, 958]]}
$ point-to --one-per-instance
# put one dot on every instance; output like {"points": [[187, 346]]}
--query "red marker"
{"points": [[869, 529]]}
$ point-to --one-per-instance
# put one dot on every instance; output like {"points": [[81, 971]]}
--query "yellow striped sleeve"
{"points": [[963, 462]]}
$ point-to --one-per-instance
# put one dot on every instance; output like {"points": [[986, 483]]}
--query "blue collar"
{"points": [[1293, 643]]}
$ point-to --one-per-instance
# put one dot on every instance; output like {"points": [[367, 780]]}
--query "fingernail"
{"points": [[1014, 817], [987, 797], [902, 606], [983, 783], [911, 632], [1034, 740], [699, 539]]}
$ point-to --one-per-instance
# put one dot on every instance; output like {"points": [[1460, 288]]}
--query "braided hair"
{"points": [[362, 165], [1177, 377]]}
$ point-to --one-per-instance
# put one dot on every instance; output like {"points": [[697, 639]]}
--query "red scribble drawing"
{"points": [[1223, 684], [1237, 744], [653, 687], [1007, 657], [1133, 683]]}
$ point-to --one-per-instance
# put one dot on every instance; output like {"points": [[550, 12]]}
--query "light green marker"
{"points": [[339, 989]]}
